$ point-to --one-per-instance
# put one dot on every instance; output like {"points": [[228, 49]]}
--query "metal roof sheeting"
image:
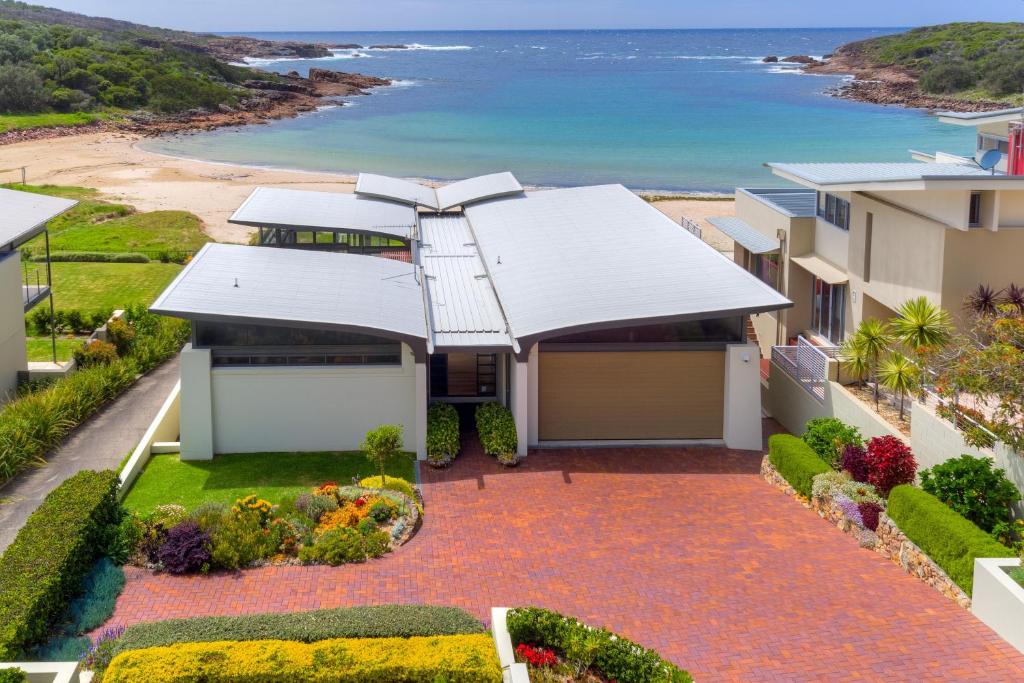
{"points": [[745, 235], [272, 207], [851, 173], [791, 202], [595, 256], [23, 215], [478, 189], [820, 268], [405, 191], [291, 286], [463, 309]]}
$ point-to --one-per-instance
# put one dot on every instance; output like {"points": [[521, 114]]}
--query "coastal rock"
{"points": [[347, 46], [339, 83], [800, 59], [389, 47], [771, 59], [293, 74], [274, 85]]}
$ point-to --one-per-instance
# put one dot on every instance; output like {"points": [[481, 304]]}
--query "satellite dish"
{"points": [[990, 159]]}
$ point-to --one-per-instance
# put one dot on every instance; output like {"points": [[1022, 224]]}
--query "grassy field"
{"points": [[97, 286], [226, 478], [9, 122], [152, 231], [40, 349]]}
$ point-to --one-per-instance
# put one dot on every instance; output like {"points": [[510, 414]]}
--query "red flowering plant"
{"points": [[890, 463], [359, 502], [535, 655]]}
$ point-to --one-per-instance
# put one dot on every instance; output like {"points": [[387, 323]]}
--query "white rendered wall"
{"points": [[196, 404], [420, 430], [533, 397], [742, 415], [13, 355], [293, 409], [521, 403], [998, 600]]}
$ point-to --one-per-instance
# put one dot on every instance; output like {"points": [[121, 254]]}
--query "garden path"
{"points": [[99, 443], [686, 550]]}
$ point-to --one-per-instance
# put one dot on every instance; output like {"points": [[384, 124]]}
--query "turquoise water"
{"points": [[672, 110]]}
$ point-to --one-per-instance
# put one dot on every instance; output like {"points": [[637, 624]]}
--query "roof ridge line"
{"points": [[494, 287]]}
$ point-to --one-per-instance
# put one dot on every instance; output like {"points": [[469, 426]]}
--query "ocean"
{"points": [[673, 110]]}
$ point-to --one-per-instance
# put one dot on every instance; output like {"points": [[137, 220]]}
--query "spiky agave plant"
{"points": [[983, 301], [1014, 296]]}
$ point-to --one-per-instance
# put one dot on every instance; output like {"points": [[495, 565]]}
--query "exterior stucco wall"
{"points": [[945, 206], [310, 409], [832, 243], [13, 355], [1011, 209], [980, 257]]}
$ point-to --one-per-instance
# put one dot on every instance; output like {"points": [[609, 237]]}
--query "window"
{"points": [[711, 330], [828, 310], [974, 219], [988, 142], [766, 268], [869, 226], [834, 209], [267, 345]]}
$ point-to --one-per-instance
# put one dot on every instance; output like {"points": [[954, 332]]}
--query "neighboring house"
{"points": [[588, 312], [23, 215], [863, 238]]}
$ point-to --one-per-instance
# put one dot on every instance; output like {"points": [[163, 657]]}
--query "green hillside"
{"points": [[55, 67], [979, 60]]}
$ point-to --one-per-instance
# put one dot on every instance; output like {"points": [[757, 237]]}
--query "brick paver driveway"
{"points": [[688, 551]]}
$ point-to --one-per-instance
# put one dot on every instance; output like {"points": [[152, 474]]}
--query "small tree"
{"points": [[897, 372], [923, 328], [381, 445], [872, 339]]}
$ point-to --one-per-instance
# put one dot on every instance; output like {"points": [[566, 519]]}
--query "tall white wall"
{"points": [[196, 404], [13, 355], [741, 428], [293, 409]]}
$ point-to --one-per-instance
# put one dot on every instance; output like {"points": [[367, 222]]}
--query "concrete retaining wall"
{"points": [[164, 428], [999, 600]]}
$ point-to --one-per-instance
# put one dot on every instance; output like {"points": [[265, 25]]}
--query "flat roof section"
{"points": [[23, 215], [462, 306], [271, 207], [978, 118], [235, 283], [601, 257], [857, 173], [746, 235], [795, 202]]}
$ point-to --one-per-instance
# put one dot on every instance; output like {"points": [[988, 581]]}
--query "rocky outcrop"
{"points": [[340, 83], [771, 59], [389, 47], [799, 59]]}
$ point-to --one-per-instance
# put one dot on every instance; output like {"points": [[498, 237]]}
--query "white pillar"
{"points": [[196, 404], [13, 354], [533, 391], [421, 411], [520, 403], [741, 427]]}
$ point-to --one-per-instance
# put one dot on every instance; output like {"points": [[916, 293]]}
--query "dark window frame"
{"points": [[974, 210], [834, 210]]}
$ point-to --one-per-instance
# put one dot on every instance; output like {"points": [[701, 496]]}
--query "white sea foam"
{"points": [[335, 55]]}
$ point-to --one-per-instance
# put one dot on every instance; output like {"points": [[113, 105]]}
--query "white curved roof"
{"points": [[297, 286], [396, 189], [591, 257], [271, 207], [24, 214]]}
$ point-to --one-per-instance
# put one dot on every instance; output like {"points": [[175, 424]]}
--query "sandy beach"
{"points": [[112, 163]]}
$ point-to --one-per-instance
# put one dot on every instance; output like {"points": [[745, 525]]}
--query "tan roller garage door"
{"points": [[631, 395]]}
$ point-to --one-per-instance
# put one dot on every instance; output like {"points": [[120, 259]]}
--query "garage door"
{"points": [[631, 395]]}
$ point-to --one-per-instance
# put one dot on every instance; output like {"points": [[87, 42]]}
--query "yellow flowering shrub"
{"points": [[252, 503], [454, 659]]}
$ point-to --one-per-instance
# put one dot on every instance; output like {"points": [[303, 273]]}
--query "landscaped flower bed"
{"points": [[329, 524], [560, 649]]}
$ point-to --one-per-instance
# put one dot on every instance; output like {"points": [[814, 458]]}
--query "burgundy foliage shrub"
{"points": [[869, 514], [855, 461], [186, 548], [890, 463]]}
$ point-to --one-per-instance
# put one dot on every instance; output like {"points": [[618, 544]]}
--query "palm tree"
{"points": [[875, 337], [923, 328], [854, 357], [899, 373]]}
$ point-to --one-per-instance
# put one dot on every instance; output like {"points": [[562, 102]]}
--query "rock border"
{"points": [[888, 540]]}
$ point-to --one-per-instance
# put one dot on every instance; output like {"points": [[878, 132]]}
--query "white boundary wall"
{"points": [[998, 600], [163, 429]]}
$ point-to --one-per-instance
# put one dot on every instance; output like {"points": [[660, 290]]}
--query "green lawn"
{"points": [[40, 348], [226, 478], [96, 286], [151, 231], [9, 122]]}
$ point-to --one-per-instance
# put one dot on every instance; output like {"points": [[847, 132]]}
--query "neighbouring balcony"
{"points": [[807, 364], [34, 288]]}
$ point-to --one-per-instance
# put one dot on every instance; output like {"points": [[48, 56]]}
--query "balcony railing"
{"points": [[34, 288], [692, 227], [807, 364]]}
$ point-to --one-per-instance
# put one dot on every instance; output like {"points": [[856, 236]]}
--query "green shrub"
{"points": [[496, 428], [828, 437], [93, 257], [949, 539], [340, 545], [121, 335], [382, 444], [43, 569], [96, 352], [389, 483], [615, 657], [442, 431], [13, 675], [948, 77], [240, 539], [377, 621], [66, 320], [973, 488], [795, 461]]}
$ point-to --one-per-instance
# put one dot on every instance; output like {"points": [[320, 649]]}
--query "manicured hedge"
{"points": [[951, 540], [44, 567], [13, 675], [795, 461], [94, 257], [453, 659], [615, 657], [496, 428], [377, 621], [442, 431]]}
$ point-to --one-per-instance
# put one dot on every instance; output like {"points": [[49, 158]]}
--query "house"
{"points": [[24, 216], [594, 317], [856, 240]]}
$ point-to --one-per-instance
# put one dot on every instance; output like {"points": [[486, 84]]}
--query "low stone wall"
{"points": [[887, 540], [895, 545]]}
